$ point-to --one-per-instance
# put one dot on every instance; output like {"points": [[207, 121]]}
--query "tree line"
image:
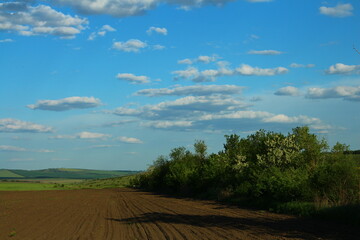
{"points": [[263, 169]]}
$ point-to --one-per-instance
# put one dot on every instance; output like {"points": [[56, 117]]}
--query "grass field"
{"points": [[25, 186], [63, 184]]}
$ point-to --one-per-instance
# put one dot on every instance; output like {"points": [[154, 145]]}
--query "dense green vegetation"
{"points": [[295, 173], [64, 173], [25, 186]]}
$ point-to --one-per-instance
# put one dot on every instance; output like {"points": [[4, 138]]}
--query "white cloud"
{"points": [[125, 8], [82, 135], [7, 148], [167, 124], [66, 104], [14, 125], [185, 61], [248, 70], [345, 92], [265, 52], [133, 78], [207, 59], [281, 118], [297, 65], [288, 91], [101, 32], [129, 140], [27, 20], [158, 30], [210, 75], [158, 47], [340, 10], [340, 68], [92, 135], [132, 45], [196, 90], [6, 40]]}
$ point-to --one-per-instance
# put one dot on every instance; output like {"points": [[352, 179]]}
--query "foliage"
{"points": [[294, 172]]}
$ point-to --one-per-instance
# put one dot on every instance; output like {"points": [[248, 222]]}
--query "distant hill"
{"points": [[66, 173]]}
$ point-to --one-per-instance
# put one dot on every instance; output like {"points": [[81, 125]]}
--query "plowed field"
{"points": [[129, 214]]}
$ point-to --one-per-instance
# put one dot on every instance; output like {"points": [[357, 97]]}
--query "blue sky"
{"points": [[113, 84]]}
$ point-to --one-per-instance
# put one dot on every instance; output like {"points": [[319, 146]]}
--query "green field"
{"points": [[62, 173], [25, 186], [63, 184]]}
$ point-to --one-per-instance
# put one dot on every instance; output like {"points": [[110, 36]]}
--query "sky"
{"points": [[113, 84]]}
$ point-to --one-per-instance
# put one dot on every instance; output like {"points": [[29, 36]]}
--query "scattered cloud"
{"points": [[185, 61], [27, 20], [6, 40], [340, 68], [102, 146], [82, 135], [210, 75], [288, 91], [92, 135], [195, 90], [158, 30], [248, 70], [158, 47], [66, 104], [129, 140], [101, 32], [265, 52], [6, 148], [16, 126], [167, 124], [340, 10], [125, 8], [133, 78], [298, 65], [345, 92], [207, 59], [132, 45]]}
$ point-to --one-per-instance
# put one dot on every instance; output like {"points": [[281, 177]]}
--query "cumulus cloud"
{"points": [[28, 20], [183, 107], [345, 92], [210, 75], [265, 52], [129, 140], [66, 104], [298, 65], [14, 125], [158, 30], [340, 10], [340, 68], [196, 90], [125, 8], [132, 45], [101, 32], [185, 61], [133, 78], [288, 91], [92, 135], [248, 70], [207, 59]]}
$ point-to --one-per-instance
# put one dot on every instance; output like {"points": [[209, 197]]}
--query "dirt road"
{"points": [[129, 214]]}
